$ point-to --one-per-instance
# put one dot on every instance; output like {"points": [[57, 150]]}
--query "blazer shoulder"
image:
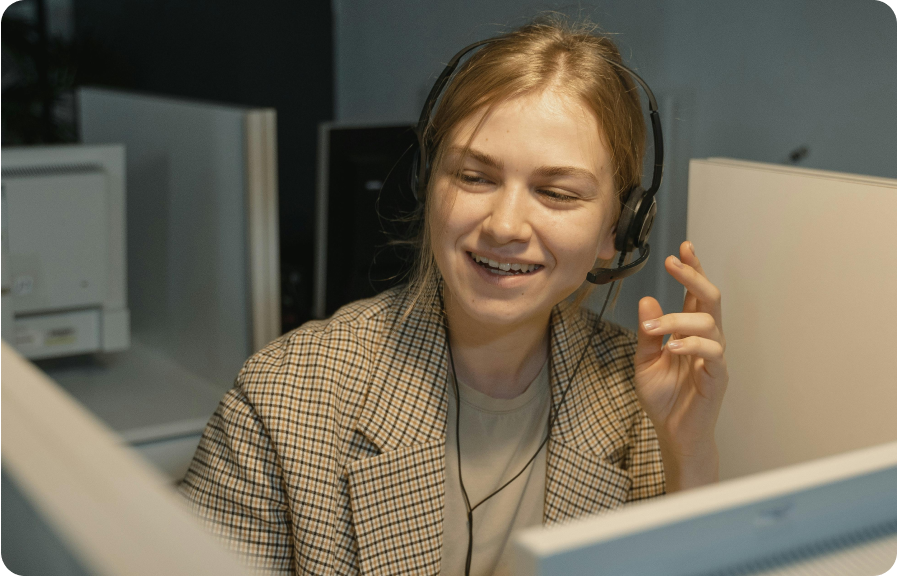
{"points": [[614, 360], [606, 408], [338, 350], [611, 337]]}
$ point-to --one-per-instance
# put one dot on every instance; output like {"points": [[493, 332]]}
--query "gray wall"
{"points": [[750, 79], [770, 75], [388, 54]]}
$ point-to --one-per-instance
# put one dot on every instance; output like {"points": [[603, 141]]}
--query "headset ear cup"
{"points": [[627, 232], [647, 223]]}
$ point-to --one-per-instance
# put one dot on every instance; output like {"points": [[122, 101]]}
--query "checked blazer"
{"points": [[328, 455]]}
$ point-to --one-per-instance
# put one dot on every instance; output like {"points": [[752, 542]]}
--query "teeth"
{"points": [[504, 268]]}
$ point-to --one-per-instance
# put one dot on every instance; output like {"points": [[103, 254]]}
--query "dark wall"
{"points": [[271, 53]]}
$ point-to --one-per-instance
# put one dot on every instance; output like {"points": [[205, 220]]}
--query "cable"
{"points": [[552, 417]]}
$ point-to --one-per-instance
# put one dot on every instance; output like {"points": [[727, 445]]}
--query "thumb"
{"points": [[649, 346]]}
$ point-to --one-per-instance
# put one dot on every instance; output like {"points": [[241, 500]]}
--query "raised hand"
{"points": [[681, 385]]}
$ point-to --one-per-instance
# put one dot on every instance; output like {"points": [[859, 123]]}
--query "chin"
{"points": [[502, 313], [507, 309]]}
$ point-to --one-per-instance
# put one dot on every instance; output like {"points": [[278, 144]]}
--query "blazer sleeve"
{"points": [[234, 484], [645, 464]]}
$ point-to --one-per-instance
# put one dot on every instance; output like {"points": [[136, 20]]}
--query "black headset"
{"points": [[639, 208]]}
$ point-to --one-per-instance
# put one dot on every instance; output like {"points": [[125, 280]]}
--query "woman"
{"points": [[342, 448]]}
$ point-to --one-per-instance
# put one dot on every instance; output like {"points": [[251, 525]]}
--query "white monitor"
{"points": [[834, 516], [803, 258], [99, 508]]}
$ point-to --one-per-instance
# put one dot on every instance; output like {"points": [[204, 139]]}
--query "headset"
{"points": [[633, 228], [639, 207]]}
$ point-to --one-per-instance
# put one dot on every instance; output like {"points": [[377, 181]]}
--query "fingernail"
{"points": [[651, 324], [692, 248], [674, 344], [676, 262]]}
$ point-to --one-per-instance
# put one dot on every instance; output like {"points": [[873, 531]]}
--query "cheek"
{"points": [[448, 220], [575, 246], [580, 262], [455, 214]]}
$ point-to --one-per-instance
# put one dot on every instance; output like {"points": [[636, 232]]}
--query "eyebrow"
{"points": [[480, 157], [543, 171], [572, 171]]}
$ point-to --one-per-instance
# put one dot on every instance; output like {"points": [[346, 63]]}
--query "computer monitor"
{"points": [[363, 202], [835, 516], [76, 501]]}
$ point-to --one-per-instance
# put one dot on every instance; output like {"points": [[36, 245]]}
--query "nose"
{"points": [[508, 218]]}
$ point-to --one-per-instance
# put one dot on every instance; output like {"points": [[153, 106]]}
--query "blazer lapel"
{"points": [[397, 497], [588, 441]]}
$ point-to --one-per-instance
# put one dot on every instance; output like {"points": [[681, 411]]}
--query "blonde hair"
{"points": [[547, 53]]}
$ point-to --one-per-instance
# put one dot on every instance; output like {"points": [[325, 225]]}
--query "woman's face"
{"points": [[531, 211]]}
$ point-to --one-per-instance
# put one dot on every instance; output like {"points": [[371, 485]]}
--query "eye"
{"points": [[554, 196], [473, 179]]}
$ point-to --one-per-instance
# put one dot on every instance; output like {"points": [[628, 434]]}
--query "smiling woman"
{"points": [[576, 77], [415, 431]]}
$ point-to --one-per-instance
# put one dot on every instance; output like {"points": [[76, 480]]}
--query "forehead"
{"points": [[556, 128]]}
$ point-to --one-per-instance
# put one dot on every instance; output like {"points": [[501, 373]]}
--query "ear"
{"points": [[606, 250]]}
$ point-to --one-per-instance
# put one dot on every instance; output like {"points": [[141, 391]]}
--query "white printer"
{"points": [[64, 276]]}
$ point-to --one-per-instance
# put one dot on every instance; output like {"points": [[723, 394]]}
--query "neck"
{"points": [[497, 360]]}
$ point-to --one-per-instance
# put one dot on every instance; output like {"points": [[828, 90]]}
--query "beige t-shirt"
{"points": [[498, 437]]}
